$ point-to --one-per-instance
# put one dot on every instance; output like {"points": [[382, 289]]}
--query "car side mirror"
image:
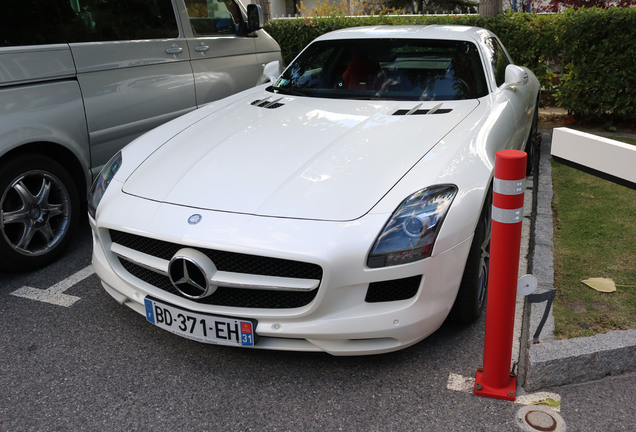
{"points": [[515, 76], [254, 18], [271, 71]]}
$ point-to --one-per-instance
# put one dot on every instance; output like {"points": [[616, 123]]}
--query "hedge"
{"points": [[585, 58]]}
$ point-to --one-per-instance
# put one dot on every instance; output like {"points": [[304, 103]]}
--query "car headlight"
{"points": [[410, 233], [101, 183]]}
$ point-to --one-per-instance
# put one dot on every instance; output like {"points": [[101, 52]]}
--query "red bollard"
{"points": [[495, 379]]}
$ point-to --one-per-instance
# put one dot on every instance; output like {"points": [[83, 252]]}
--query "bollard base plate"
{"points": [[507, 392]]}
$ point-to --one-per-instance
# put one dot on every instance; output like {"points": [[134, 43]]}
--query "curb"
{"points": [[553, 362]]}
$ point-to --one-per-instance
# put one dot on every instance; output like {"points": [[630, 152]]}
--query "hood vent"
{"points": [[266, 103], [421, 112], [417, 111]]}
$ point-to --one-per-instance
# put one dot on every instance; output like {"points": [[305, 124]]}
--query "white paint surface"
{"points": [[602, 154], [55, 294]]}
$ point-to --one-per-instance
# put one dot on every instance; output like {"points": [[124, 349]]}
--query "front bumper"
{"points": [[338, 320]]}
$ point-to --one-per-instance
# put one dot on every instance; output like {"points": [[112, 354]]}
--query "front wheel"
{"points": [[471, 297], [532, 143], [39, 211]]}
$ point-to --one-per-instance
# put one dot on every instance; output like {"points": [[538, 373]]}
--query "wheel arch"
{"points": [[60, 154]]}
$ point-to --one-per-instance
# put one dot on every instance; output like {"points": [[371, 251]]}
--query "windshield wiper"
{"points": [[286, 90]]}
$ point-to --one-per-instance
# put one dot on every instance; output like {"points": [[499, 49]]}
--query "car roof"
{"points": [[449, 32]]}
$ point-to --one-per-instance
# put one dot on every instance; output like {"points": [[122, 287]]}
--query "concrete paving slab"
{"points": [[560, 362]]}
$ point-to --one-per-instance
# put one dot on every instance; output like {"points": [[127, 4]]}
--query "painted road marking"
{"points": [[55, 294], [461, 383], [551, 400]]}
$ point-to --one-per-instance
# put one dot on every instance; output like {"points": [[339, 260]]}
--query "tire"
{"points": [[532, 143], [39, 211], [471, 297]]}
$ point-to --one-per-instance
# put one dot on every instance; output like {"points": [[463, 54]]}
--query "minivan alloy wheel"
{"points": [[35, 212], [38, 212]]}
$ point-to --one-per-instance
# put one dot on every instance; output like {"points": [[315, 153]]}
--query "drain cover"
{"points": [[538, 418]]}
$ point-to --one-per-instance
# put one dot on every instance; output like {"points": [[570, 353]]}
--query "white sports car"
{"points": [[345, 208]]}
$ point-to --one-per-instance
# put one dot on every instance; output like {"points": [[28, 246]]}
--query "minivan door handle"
{"points": [[201, 48], [174, 49]]}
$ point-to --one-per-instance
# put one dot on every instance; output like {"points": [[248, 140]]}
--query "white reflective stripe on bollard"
{"points": [[509, 187], [507, 216]]}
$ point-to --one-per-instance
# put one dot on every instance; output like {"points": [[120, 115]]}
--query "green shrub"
{"points": [[600, 63], [594, 50]]}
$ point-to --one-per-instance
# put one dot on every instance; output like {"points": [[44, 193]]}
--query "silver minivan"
{"points": [[79, 79]]}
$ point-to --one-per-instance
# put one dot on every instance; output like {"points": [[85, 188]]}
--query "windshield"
{"points": [[386, 69]]}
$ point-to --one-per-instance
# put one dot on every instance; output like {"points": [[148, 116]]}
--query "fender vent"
{"points": [[266, 103]]}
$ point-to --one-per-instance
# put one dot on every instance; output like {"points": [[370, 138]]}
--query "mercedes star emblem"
{"points": [[195, 219], [190, 272]]}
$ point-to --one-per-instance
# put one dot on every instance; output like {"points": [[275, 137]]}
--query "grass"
{"points": [[595, 236]]}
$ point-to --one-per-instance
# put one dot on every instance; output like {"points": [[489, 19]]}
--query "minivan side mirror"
{"points": [[515, 76], [254, 18]]}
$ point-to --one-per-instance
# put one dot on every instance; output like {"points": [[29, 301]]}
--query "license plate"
{"points": [[200, 327]]}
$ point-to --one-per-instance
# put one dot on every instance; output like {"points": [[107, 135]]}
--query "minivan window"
{"points": [[36, 22], [214, 17]]}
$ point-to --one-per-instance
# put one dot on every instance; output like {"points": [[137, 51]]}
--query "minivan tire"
{"points": [[39, 211]]}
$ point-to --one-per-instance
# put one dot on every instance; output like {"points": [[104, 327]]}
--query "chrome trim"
{"points": [[146, 261], [272, 283], [220, 278]]}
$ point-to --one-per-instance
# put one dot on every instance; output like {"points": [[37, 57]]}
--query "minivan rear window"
{"points": [[36, 22]]}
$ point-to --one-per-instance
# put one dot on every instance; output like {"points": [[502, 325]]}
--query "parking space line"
{"points": [[460, 383], [55, 294]]}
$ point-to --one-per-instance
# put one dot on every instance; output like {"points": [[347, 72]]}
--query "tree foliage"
{"points": [[376, 7], [553, 6], [559, 5]]}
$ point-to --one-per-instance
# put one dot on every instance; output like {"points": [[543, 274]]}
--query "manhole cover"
{"points": [[538, 418]]}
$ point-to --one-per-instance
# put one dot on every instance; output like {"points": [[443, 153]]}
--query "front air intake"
{"points": [[393, 290]]}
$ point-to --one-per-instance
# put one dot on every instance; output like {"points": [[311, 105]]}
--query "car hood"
{"points": [[294, 157]]}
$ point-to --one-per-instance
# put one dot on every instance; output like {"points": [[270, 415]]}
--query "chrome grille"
{"points": [[224, 261]]}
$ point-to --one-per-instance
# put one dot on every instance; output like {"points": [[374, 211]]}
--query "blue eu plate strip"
{"points": [[150, 312], [247, 338]]}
